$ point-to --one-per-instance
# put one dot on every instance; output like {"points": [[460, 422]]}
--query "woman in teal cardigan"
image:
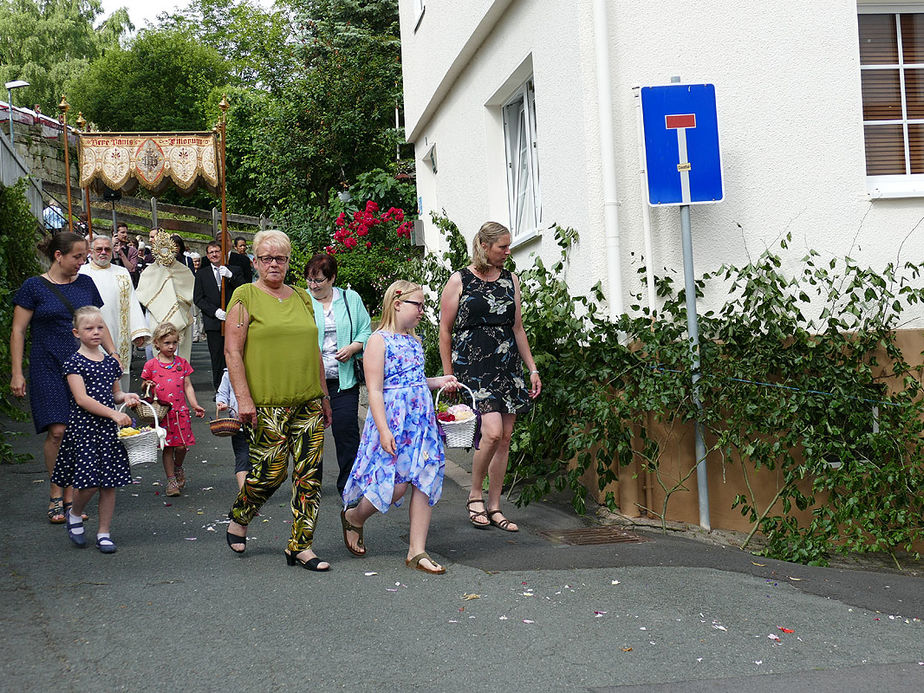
{"points": [[343, 328]]}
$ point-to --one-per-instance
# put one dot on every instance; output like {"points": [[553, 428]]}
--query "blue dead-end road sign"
{"points": [[682, 157]]}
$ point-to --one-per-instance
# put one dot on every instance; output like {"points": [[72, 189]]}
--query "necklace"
{"points": [[168, 366], [55, 281], [265, 289], [483, 276]]}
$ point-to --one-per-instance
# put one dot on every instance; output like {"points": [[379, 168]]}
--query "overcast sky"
{"points": [[144, 11]]}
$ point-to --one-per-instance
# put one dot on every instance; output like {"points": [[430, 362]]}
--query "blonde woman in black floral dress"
{"points": [[483, 343]]}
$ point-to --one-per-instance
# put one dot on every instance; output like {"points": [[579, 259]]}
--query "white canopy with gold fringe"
{"points": [[125, 160]]}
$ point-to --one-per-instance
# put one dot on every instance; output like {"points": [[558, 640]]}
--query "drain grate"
{"points": [[592, 535]]}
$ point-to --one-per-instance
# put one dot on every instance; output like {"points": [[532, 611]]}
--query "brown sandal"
{"points": [[500, 524], [473, 514], [347, 527], [415, 563]]}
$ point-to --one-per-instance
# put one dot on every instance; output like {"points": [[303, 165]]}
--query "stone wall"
{"points": [[39, 146]]}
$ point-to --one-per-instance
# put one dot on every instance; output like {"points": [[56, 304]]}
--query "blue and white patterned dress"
{"points": [[411, 418], [91, 455]]}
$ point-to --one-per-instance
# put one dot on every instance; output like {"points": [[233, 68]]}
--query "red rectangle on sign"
{"points": [[685, 120]]}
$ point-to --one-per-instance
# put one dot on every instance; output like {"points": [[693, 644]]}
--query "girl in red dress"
{"points": [[169, 374]]}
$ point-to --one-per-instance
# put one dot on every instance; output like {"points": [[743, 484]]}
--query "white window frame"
{"points": [[907, 184], [523, 192], [420, 6]]}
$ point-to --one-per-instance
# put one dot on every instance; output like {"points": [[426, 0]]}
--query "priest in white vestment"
{"points": [[121, 309], [165, 289]]}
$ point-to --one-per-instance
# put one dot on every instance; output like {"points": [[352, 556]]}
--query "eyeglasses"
{"points": [[312, 280], [270, 259], [419, 304]]}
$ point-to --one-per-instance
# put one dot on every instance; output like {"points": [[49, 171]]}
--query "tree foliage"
{"points": [[255, 41], [335, 116], [162, 82], [50, 42]]}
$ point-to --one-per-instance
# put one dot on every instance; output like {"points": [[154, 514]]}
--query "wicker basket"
{"points": [[142, 448], [459, 434], [149, 413], [224, 427]]}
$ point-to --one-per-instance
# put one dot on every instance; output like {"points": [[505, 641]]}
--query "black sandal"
{"points": [[56, 514], [236, 540], [500, 524], [310, 564], [472, 514]]}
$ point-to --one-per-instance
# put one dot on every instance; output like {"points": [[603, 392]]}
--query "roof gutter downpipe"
{"points": [[608, 159]]}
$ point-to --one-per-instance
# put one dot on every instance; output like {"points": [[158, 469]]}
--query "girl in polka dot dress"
{"points": [[91, 457], [170, 375]]}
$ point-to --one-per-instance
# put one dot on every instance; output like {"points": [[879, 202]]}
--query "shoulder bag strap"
{"points": [[57, 292], [349, 317]]}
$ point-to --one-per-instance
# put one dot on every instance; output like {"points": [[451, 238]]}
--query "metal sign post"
{"points": [[684, 168]]}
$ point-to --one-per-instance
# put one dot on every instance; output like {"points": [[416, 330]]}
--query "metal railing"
{"points": [[12, 170]]}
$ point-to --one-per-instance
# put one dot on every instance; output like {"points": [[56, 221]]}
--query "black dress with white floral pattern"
{"points": [[484, 351]]}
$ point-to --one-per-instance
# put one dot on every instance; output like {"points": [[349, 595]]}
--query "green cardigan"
{"points": [[362, 328]]}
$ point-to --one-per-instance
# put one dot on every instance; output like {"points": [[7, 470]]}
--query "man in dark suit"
{"points": [[207, 296], [240, 259]]}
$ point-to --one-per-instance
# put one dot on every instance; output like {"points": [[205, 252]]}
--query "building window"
{"points": [[892, 79], [522, 164]]}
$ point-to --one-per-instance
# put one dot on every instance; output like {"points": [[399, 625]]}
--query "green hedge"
{"points": [[18, 236]]}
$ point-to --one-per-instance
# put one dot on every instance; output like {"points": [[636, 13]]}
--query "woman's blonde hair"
{"points": [[272, 237], [165, 329], [398, 291], [489, 233], [85, 312]]}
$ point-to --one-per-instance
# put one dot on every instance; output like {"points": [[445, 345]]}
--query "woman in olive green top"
{"points": [[276, 371]]}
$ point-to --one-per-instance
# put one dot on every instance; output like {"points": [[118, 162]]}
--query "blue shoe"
{"points": [[80, 540], [105, 545]]}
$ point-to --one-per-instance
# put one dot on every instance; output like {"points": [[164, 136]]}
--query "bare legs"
{"points": [[419, 512], [490, 461], [173, 458], [53, 437], [107, 499], [241, 478]]}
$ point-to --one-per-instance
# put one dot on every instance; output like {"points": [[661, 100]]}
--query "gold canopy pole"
{"points": [[222, 129], [82, 125], [65, 107]]}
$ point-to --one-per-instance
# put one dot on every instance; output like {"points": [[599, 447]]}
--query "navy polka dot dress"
{"points": [[52, 343], [91, 455]]}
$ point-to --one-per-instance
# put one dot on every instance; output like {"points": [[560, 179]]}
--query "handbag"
{"points": [[358, 371]]}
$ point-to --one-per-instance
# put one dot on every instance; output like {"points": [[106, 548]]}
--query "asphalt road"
{"points": [[175, 609]]}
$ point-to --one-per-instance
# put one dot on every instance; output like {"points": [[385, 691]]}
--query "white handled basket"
{"points": [[142, 448], [459, 434]]}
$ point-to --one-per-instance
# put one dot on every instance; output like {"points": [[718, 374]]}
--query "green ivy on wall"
{"points": [[806, 396], [18, 236]]}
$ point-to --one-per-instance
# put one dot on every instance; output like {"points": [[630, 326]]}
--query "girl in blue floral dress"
{"points": [[400, 445]]}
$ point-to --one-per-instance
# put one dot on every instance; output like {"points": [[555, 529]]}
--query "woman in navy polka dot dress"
{"points": [[91, 457], [39, 308]]}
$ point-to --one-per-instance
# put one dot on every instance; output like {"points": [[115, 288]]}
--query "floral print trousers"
{"points": [[279, 431]]}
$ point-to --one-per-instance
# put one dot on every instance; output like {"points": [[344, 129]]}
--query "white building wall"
{"points": [[470, 183], [437, 42], [788, 89]]}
